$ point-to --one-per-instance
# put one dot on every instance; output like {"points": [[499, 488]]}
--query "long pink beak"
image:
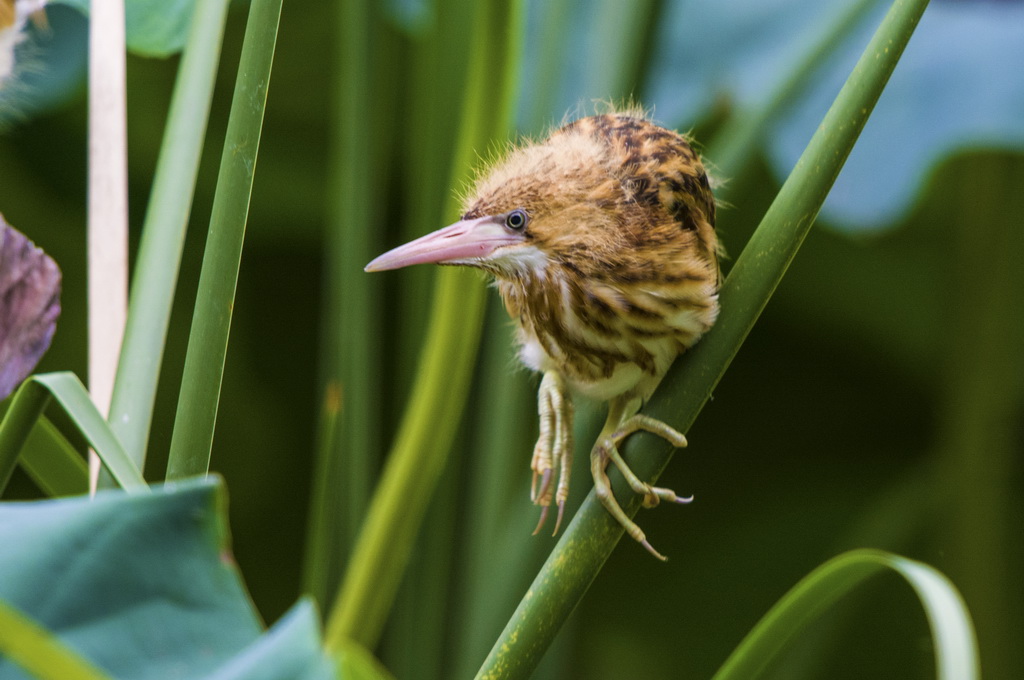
{"points": [[461, 243]]}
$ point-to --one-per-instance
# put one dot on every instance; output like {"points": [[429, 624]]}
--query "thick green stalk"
{"points": [[163, 233], [550, 45], [382, 550], [347, 439], [428, 428], [978, 433], [593, 533], [498, 557], [196, 417]]}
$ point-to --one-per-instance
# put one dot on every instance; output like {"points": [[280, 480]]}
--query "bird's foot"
{"points": [[607, 449], [553, 451]]}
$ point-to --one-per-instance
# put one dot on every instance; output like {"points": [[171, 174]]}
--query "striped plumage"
{"points": [[601, 240], [625, 273]]}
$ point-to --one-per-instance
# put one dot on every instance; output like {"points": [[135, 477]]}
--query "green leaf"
{"points": [[153, 28], [956, 652], [196, 415], [290, 650], [27, 406], [144, 586], [163, 233]]}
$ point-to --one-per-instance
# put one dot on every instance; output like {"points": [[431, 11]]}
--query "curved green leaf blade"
{"points": [[65, 387], [956, 652], [194, 421], [71, 394]]}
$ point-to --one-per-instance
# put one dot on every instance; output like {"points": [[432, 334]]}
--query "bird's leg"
{"points": [[554, 447], [616, 429]]}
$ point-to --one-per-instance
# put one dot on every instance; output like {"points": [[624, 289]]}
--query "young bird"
{"points": [[602, 243]]}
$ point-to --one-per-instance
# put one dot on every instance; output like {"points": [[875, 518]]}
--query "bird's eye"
{"points": [[516, 219]]}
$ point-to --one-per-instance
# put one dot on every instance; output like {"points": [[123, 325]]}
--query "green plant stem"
{"points": [[26, 407], [196, 416], [978, 432], [428, 428], [640, 46], [163, 233], [496, 563], [953, 640], [40, 652], [552, 48], [619, 43], [347, 439], [593, 533], [383, 546]]}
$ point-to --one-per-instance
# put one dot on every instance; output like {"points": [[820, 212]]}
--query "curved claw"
{"points": [[684, 500], [558, 519], [654, 552], [545, 484], [543, 518]]}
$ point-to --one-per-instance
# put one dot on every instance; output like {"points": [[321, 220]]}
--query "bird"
{"points": [[601, 242]]}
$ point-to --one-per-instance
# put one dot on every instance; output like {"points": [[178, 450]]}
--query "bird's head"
{"points": [[588, 189]]}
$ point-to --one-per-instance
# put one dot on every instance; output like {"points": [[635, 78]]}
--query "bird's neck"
{"points": [[562, 325], [529, 290]]}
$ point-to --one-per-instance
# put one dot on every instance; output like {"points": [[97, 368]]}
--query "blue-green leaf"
{"points": [[153, 28], [144, 586]]}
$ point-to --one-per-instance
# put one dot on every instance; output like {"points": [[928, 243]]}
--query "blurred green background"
{"points": [[878, 403]]}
